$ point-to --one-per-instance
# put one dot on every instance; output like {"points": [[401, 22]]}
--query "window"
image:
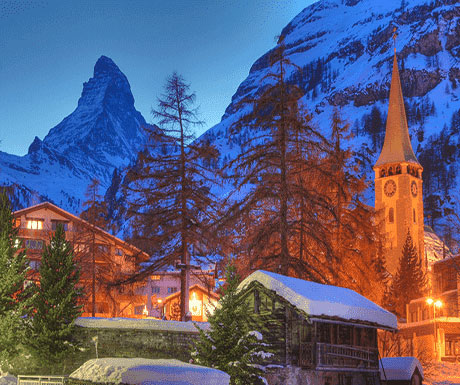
{"points": [[103, 248], [172, 290], [34, 264], [138, 310], [34, 244], [391, 215], [17, 222], [415, 221], [55, 223], [256, 302], [35, 224], [118, 251], [155, 277], [155, 290]]}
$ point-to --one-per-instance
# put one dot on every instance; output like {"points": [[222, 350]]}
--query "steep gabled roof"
{"points": [[397, 146], [49, 206], [324, 300]]}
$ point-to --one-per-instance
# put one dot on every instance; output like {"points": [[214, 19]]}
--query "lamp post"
{"points": [[436, 304]]}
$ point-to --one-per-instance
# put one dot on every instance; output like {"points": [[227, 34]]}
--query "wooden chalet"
{"points": [[328, 333], [102, 258]]}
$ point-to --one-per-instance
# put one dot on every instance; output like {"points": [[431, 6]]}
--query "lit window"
{"points": [[35, 224], [172, 290], [34, 244], [54, 224], [155, 277]]}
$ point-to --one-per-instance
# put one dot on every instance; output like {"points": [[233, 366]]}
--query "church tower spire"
{"points": [[398, 180]]}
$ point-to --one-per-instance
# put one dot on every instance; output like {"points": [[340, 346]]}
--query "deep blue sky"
{"points": [[48, 48]]}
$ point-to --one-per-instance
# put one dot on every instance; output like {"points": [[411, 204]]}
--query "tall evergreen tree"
{"points": [[57, 301], [15, 301], [95, 212], [268, 167], [168, 189], [229, 344], [410, 281]]}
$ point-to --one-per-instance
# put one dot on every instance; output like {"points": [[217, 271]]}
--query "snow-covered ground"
{"points": [[7, 379], [146, 371], [442, 373]]}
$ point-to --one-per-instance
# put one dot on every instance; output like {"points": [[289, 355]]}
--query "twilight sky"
{"points": [[48, 48]]}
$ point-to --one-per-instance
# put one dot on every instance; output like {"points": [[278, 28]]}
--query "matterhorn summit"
{"points": [[101, 134]]}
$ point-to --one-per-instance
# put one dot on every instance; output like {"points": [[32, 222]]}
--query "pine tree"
{"points": [[229, 344], [95, 213], [410, 280], [15, 301], [168, 190], [57, 301], [267, 171]]}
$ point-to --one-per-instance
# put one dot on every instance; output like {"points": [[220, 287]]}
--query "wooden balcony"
{"points": [[322, 356]]}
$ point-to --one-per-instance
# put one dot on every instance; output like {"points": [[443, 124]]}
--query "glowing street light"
{"points": [[436, 304]]}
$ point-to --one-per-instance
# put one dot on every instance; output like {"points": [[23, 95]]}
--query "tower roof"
{"points": [[397, 146]]}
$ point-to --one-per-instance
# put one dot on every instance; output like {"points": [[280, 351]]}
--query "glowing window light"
{"points": [[195, 305], [34, 224]]}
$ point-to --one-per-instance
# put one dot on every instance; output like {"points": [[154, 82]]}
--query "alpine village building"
{"points": [[432, 326], [114, 259]]}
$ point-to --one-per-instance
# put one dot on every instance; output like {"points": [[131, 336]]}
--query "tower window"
{"points": [[398, 169], [415, 220], [390, 171], [383, 174], [391, 215]]}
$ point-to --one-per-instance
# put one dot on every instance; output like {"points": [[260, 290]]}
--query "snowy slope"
{"points": [[101, 134], [344, 50]]}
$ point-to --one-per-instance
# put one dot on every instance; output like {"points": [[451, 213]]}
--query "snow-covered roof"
{"points": [[399, 368], [148, 372], [435, 249], [323, 300], [133, 323]]}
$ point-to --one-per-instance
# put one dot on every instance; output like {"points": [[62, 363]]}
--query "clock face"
{"points": [[413, 188], [389, 188]]}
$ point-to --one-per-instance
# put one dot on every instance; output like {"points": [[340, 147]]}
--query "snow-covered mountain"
{"points": [[344, 50], [103, 133]]}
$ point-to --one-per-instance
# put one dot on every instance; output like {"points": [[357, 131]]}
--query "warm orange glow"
{"points": [[160, 300], [34, 224], [438, 303], [195, 305], [429, 301]]}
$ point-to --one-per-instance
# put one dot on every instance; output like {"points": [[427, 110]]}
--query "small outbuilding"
{"points": [[320, 334]]}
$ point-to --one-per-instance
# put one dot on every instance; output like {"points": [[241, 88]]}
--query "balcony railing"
{"points": [[324, 356]]}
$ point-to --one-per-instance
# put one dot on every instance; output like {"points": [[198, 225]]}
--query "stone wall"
{"points": [[160, 340], [293, 375]]}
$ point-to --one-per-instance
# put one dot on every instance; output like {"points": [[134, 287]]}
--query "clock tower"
{"points": [[398, 181]]}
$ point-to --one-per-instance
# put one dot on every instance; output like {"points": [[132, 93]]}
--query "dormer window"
{"points": [[35, 224]]}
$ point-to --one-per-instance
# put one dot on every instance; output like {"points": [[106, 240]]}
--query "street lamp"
{"points": [[436, 304]]}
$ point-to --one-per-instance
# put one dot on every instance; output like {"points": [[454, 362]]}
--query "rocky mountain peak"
{"points": [[105, 66]]}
